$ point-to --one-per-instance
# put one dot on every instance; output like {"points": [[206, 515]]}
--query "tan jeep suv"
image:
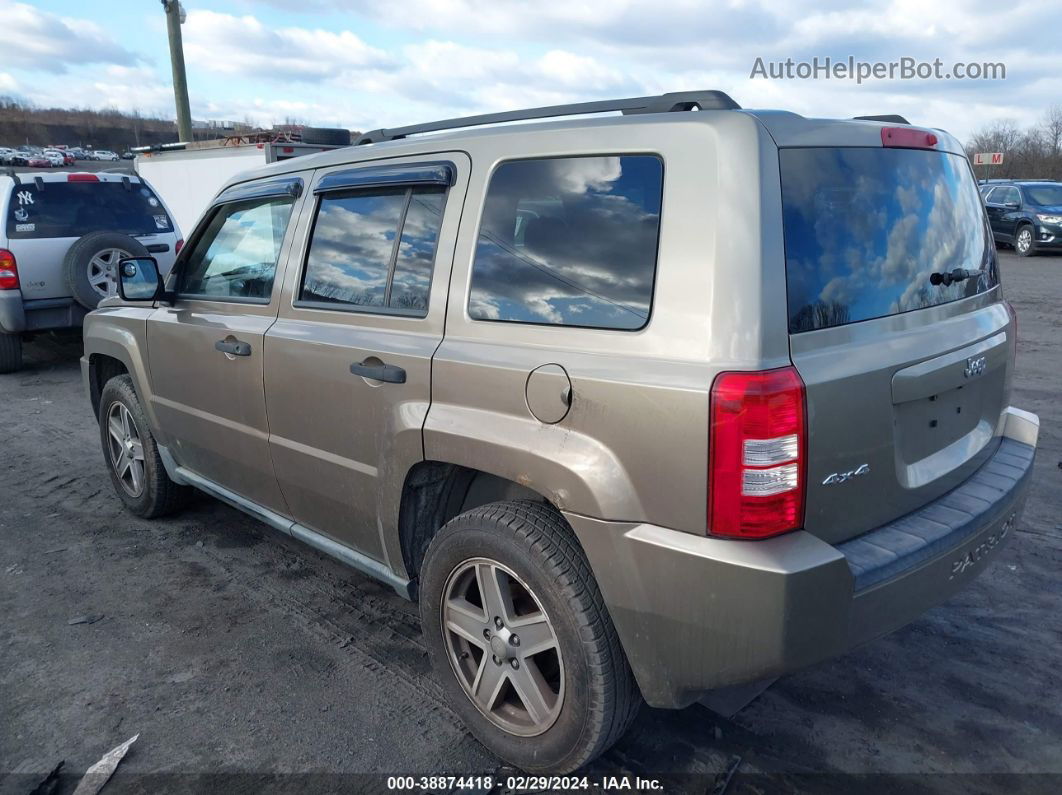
{"points": [[649, 405]]}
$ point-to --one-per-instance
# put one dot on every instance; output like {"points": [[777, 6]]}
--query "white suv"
{"points": [[104, 154], [61, 235]]}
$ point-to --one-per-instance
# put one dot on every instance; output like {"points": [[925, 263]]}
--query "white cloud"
{"points": [[617, 46], [455, 57], [39, 40], [8, 84], [226, 44]]}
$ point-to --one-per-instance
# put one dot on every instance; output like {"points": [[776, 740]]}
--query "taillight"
{"points": [[1014, 324], [177, 248], [757, 454], [82, 177], [8, 270]]}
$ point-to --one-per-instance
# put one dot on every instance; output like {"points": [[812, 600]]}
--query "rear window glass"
{"points": [[73, 209], [569, 241], [865, 228]]}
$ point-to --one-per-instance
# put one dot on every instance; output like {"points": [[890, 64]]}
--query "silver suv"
{"points": [[644, 406], [61, 236]]}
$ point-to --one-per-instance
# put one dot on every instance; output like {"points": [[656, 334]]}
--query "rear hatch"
{"points": [[906, 375], [47, 214]]}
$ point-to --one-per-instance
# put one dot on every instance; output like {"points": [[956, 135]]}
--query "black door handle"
{"points": [[234, 347], [390, 373]]}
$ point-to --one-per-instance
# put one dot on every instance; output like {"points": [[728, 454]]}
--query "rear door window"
{"points": [[866, 227], [374, 250], [569, 241], [73, 209]]}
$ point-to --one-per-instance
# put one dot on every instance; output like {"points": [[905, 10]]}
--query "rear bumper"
{"points": [[17, 315], [696, 613], [12, 314]]}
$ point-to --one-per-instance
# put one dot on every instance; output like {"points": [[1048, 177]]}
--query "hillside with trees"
{"points": [[101, 129]]}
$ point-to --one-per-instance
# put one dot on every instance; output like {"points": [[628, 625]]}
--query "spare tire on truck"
{"points": [[326, 136], [91, 265]]}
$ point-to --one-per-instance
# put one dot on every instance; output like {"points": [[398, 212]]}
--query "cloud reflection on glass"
{"points": [[569, 241], [865, 228]]}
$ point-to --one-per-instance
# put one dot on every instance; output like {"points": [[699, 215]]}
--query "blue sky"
{"points": [[367, 63]]}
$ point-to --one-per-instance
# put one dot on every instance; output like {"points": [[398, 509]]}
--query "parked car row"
{"points": [[48, 157]]}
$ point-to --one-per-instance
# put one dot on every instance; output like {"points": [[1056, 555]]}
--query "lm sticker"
{"points": [[25, 227]]}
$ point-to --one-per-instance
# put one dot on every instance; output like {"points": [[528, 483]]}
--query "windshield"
{"points": [[1044, 195], [865, 228], [73, 209]]}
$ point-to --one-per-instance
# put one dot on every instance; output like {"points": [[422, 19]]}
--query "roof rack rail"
{"points": [[664, 103], [890, 118]]}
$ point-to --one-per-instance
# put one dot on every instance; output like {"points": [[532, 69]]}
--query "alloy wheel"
{"points": [[126, 449], [503, 648], [103, 271], [1024, 239]]}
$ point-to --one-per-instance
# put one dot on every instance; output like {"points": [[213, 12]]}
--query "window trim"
{"points": [[656, 254], [245, 191], [179, 271], [362, 309], [441, 172]]}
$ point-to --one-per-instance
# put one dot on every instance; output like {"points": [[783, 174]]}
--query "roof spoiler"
{"points": [[887, 118]]}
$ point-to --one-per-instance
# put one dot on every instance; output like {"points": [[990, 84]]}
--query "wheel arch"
{"points": [[114, 344], [434, 492]]}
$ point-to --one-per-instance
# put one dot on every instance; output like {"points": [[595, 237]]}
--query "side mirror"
{"points": [[138, 279], [1012, 205]]}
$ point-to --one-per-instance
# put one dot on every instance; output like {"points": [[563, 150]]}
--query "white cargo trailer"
{"points": [[188, 176]]}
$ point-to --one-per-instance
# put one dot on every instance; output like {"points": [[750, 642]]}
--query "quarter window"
{"points": [[237, 255], [374, 250], [569, 241]]}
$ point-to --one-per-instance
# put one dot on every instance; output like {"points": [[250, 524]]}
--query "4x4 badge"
{"points": [[841, 477]]}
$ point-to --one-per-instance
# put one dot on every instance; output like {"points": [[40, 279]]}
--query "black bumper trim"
{"points": [[898, 547]]}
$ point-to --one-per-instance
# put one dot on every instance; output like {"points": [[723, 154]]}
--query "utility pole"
{"points": [[174, 18]]}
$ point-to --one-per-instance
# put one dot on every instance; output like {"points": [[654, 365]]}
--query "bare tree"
{"points": [[1051, 127], [1034, 153]]}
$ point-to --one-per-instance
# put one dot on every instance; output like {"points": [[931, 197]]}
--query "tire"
{"points": [[10, 353], [592, 695], [85, 261], [326, 136], [1025, 241], [157, 495]]}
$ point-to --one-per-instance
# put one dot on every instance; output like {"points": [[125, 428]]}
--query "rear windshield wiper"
{"points": [[950, 277]]}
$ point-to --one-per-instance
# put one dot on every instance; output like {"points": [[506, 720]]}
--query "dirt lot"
{"points": [[234, 651]]}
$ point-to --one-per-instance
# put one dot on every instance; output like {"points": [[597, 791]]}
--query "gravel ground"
{"points": [[233, 651]]}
